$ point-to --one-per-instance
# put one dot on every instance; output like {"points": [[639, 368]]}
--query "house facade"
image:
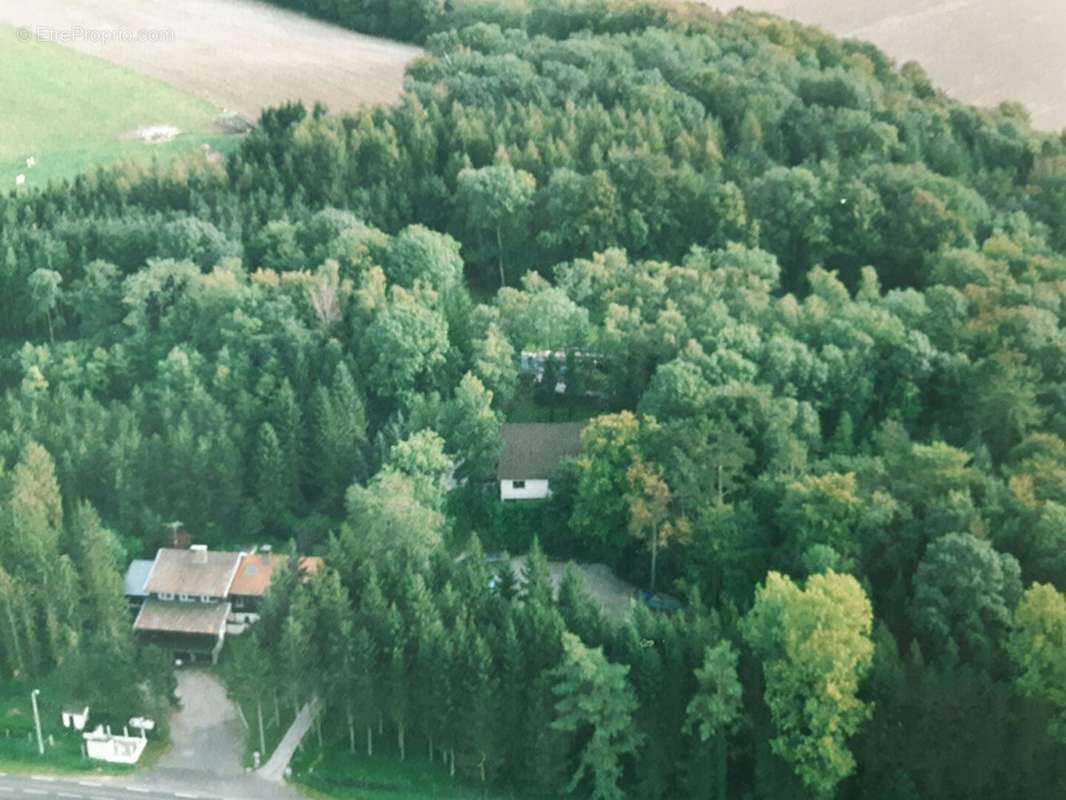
{"points": [[532, 454]]}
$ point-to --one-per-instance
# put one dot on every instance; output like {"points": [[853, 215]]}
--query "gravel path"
{"points": [[241, 55]]}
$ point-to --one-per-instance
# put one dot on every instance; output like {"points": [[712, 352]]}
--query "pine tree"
{"points": [[475, 702], [332, 641], [579, 610], [97, 555], [272, 487], [595, 701], [397, 678], [717, 707], [294, 649]]}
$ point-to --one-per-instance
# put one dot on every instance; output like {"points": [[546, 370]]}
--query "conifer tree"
{"points": [[717, 706], [273, 490], [596, 702]]}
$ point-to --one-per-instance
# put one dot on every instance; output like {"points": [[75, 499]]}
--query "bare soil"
{"points": [[240, 55], [981, 51], [613, 593]]}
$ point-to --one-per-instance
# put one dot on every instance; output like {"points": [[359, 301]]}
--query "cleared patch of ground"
{"points": [[237, 55], [613, 593], [980, 51]]}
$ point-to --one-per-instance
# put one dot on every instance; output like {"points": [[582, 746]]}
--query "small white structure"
{"points": [[76, 717], [142, 724], [31, 162], [102, 746], [20, 180], [532, 453]]}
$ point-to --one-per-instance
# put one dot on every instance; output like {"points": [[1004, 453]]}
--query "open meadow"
{"points": [[82, 77], [981, 51], [69, 112], [239, 55]]}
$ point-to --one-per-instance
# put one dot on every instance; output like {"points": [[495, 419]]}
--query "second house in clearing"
{"points": [[532, 454], [190, 599]]}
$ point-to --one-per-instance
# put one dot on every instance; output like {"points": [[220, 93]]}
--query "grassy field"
{"points": [[70, 112], [980, 51], [336, 773], [240, 55], [273, 728], [18, 743]]}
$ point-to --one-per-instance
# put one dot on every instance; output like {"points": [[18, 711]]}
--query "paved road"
{"points": [[43, 786]]}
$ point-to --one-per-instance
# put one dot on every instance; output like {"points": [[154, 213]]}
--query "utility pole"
{"points": [[37, 721]]}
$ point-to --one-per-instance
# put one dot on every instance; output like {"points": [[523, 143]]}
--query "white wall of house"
{"points": [[524, 490]]}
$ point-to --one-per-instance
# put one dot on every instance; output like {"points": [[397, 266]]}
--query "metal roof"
{"points": [[534, 450], [137, 577]]}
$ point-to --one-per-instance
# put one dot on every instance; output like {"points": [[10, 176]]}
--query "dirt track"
{"points": [[240, 55], [980, 51]]}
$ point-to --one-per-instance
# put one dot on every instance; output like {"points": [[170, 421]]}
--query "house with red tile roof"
{"points": [[188, 600]]}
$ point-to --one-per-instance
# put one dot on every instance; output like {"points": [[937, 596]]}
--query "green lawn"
{"points": [[18, 741], [274, 728], [524, 408], [69, 111], [336, 773]]}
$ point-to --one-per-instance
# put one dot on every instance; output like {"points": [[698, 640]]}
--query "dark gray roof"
{"points": [[534, 450], [137, 577], [195, 572]]}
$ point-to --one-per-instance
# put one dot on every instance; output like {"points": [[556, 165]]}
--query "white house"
{"points": [[532, 454]]}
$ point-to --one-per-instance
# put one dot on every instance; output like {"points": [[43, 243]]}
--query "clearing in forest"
{"points": [[238, 55], [80, 78], [64, 112]]}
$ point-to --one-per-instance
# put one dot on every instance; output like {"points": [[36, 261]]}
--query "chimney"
{"points": [[201, 553], [176, 536]]}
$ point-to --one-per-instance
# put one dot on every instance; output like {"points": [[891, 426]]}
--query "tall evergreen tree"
{"points": [[594, 700]]}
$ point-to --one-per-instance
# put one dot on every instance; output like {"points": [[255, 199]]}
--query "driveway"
{"points": [[207, 745]]}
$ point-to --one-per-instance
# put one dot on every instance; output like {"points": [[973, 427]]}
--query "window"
{"points": [[204, 598], [166, 595], [185, 598], [518, 484]]}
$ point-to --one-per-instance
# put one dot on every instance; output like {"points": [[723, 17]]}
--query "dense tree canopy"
{"points": [[811, 306]]}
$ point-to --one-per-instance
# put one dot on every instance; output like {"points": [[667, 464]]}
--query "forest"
{"points": [[826, 303]]}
